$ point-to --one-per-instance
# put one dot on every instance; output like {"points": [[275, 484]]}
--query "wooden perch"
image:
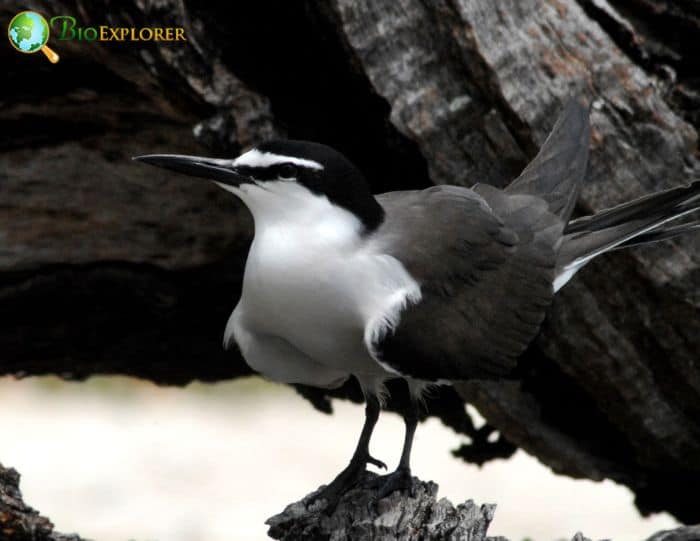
{"points": [[414, 515], [408, 516]]}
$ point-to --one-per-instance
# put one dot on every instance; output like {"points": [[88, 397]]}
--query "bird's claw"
{"points": [[376, 462]]}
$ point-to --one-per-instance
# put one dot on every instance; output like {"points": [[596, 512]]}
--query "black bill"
{"points": [[210, 168]]}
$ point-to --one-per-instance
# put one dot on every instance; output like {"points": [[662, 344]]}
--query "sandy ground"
{"points": [[115, 459]]}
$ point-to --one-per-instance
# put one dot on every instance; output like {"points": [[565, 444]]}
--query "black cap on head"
{"points": [[337, 178]]}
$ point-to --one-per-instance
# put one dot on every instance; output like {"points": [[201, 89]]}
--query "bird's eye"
{"points": [[287, 170]]}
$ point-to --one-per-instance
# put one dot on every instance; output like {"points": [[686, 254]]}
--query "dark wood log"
{"points": [[18, 521], [107, 267], [410, 515]]}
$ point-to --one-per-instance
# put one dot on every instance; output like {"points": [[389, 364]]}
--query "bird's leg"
{"points": [[361, 455], [354, 471], [400, 479]]}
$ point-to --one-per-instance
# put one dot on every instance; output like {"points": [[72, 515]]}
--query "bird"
{"points": [[430, 286]]}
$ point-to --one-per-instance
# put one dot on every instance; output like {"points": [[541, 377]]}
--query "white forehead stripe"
{"points": [[255, 158]]}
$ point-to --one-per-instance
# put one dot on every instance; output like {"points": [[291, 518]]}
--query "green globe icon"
{"points": [[29, 32]]}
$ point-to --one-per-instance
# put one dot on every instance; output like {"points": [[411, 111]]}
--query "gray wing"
{"points": [[556, 173], [485, 260], [485, 265]]}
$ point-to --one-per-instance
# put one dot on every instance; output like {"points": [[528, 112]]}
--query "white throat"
{"points": [[292, 209]]}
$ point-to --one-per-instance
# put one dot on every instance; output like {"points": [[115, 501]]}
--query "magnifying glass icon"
{"points": [[29, 32]]}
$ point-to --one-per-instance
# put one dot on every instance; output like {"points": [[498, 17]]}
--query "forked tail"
{"points": [[641, 221]]}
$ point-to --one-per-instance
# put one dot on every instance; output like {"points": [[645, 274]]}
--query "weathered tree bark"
{"points": [[413, 515], [107, 267], [18, 521], [404, 516]]}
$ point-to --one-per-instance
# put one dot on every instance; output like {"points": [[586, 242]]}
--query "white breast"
{"points": [[313, 280]]}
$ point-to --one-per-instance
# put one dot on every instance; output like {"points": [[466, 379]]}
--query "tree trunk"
{"points": [[108, 267]]}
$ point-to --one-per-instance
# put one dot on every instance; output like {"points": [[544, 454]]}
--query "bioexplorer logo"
{"points": [[29, 32]]}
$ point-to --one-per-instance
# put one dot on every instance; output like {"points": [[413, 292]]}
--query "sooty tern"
{"points": [[431, 286]]}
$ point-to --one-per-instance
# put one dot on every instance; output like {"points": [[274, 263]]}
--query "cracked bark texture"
{"points": [[18, 521], [411, 515], [107, 267], [401, 515]]}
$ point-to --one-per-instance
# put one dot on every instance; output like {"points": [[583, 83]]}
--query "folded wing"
{"points": [[485, 281], [485, 261]]}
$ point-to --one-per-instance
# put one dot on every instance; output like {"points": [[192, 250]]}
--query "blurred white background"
{"points": [[116, 459]]}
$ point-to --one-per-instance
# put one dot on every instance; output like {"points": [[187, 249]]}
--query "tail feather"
{"points": [[638, 222], [660, 203], [662, 233], [556, 173]]}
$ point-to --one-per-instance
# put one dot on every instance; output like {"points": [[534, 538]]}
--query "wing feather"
{"points": [[484, 261]]}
